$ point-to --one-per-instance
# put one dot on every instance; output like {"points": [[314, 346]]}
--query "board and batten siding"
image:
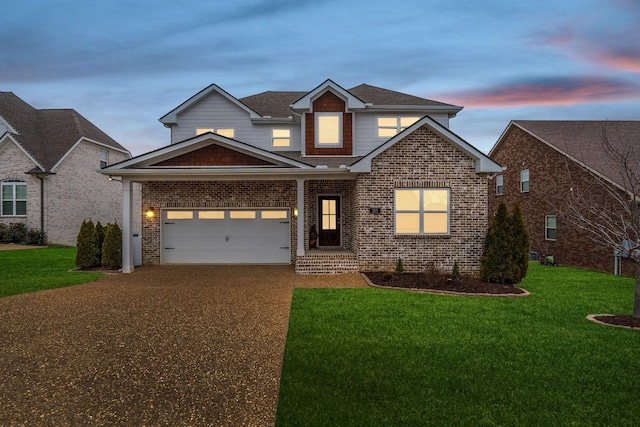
{"points": [[365, 137], [216, 111]]}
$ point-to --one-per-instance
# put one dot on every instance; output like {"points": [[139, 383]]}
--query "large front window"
{"points": [[422, 211], [328, 129], [391, 126], [14, 198]]}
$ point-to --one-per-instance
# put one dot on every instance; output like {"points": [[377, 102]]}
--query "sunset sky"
{"points": [[123, 64]]}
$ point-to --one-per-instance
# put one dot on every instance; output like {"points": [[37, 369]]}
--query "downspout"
{"points": [[41, 209]]}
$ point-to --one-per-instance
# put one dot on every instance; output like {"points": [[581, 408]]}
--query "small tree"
{"points": [[112, 247], [100, 230], [614, 218], [506, 248], [86, 254]]}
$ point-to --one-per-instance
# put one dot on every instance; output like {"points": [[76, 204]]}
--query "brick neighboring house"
{"points": [[330, 180], [547, 160], [52, 155]]}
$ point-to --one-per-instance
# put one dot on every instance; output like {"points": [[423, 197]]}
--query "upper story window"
{"points": [[550, 227], [281, 138], [328, 130], [228, 132], [104, 158], [391, 126], [422, 211], [14, 198], [524, 180], [500, 184]]}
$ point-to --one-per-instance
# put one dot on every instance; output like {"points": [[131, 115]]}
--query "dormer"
{"points": [[328, 120]]}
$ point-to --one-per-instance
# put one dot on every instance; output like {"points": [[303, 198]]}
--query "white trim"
{"points": [[172, 116], [546, 228], [195, 143], [306, 102], [127, 228], [300, 219], [88, 140], [26, 153], [8, 125], [483, 163], [316, 125]]}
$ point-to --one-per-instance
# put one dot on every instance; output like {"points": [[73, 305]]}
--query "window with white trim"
{"points": [[524, 180], [328, 130], [14, 198], [421, 211], [104, 159], [228, 132], [391, 126], [500, 184], [281, 138], [550, 227]]}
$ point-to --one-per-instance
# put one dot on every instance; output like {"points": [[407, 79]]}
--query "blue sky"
{"points": [[123, 64]]}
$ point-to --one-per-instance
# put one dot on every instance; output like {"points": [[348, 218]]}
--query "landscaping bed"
{"points": [[443, 282]]}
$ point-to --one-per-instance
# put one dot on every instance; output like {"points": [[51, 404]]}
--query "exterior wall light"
{"points": [[150, 213], [295, 212]]}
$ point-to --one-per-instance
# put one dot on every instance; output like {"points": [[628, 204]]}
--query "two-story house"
{"points": [[48, 163], [329, 180], [547, 164]]}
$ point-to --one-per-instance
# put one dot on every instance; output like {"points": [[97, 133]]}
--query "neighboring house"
{"points": [[546, 161], [48, 164], [330, 180]]}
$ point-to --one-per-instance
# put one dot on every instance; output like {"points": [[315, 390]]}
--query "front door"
{"points": [[329, 217]]}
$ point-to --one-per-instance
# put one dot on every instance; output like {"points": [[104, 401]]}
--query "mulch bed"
{"points": [[463, 285], [618, 320]]}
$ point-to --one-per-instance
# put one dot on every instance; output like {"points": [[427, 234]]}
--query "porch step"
{"points": [[327, 263]]}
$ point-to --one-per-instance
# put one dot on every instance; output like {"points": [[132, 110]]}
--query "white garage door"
{"points": [[229, 236]]}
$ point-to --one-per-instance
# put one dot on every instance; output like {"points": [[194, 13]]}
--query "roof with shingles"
{"points": [[583, 140], [48, 134], [277, 103]]}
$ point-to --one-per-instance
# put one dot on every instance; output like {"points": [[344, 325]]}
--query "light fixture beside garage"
{"points": [[150, 213], [295, 212]]}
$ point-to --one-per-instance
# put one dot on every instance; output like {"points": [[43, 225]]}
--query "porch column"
{"points": [[300, 188], [127, 216]]}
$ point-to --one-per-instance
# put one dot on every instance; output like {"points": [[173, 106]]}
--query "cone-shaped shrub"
{"points": [[100, 230], [112, 247], [506, 248], [86, 254]]}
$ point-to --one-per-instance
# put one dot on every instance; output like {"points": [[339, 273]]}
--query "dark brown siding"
{"points": [[214, 155], [329, 103], [551, 178]]}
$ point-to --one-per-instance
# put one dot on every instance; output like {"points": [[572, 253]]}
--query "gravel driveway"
{"points": [[165, 345]]}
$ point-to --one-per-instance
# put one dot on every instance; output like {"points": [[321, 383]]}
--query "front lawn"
{"points": [[373, 357], [30, 270]]}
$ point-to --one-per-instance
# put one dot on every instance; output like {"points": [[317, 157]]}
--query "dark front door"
{"points": [[329, 216]]}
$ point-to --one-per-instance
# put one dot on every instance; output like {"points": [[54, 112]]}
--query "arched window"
{"points": [[14, 198]]}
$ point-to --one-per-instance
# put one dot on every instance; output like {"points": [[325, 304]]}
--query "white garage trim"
{"points": [[225, 236]]}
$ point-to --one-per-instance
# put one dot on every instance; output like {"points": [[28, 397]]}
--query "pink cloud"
{"points": [[626, 60], [561, 91]]}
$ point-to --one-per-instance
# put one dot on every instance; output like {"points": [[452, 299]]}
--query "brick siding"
{"points": [[211, 194], [422, 159], [551, 176]]}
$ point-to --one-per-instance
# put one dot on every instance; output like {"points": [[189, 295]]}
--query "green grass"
{"points": [[30, 270], [372, 357]]}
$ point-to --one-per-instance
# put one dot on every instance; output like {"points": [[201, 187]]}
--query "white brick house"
{"points": [[329, 180], [53, 155]]}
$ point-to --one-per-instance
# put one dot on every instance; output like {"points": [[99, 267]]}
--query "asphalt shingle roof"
{"points": [[277, 104], [583, 140], [47, 135]]}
